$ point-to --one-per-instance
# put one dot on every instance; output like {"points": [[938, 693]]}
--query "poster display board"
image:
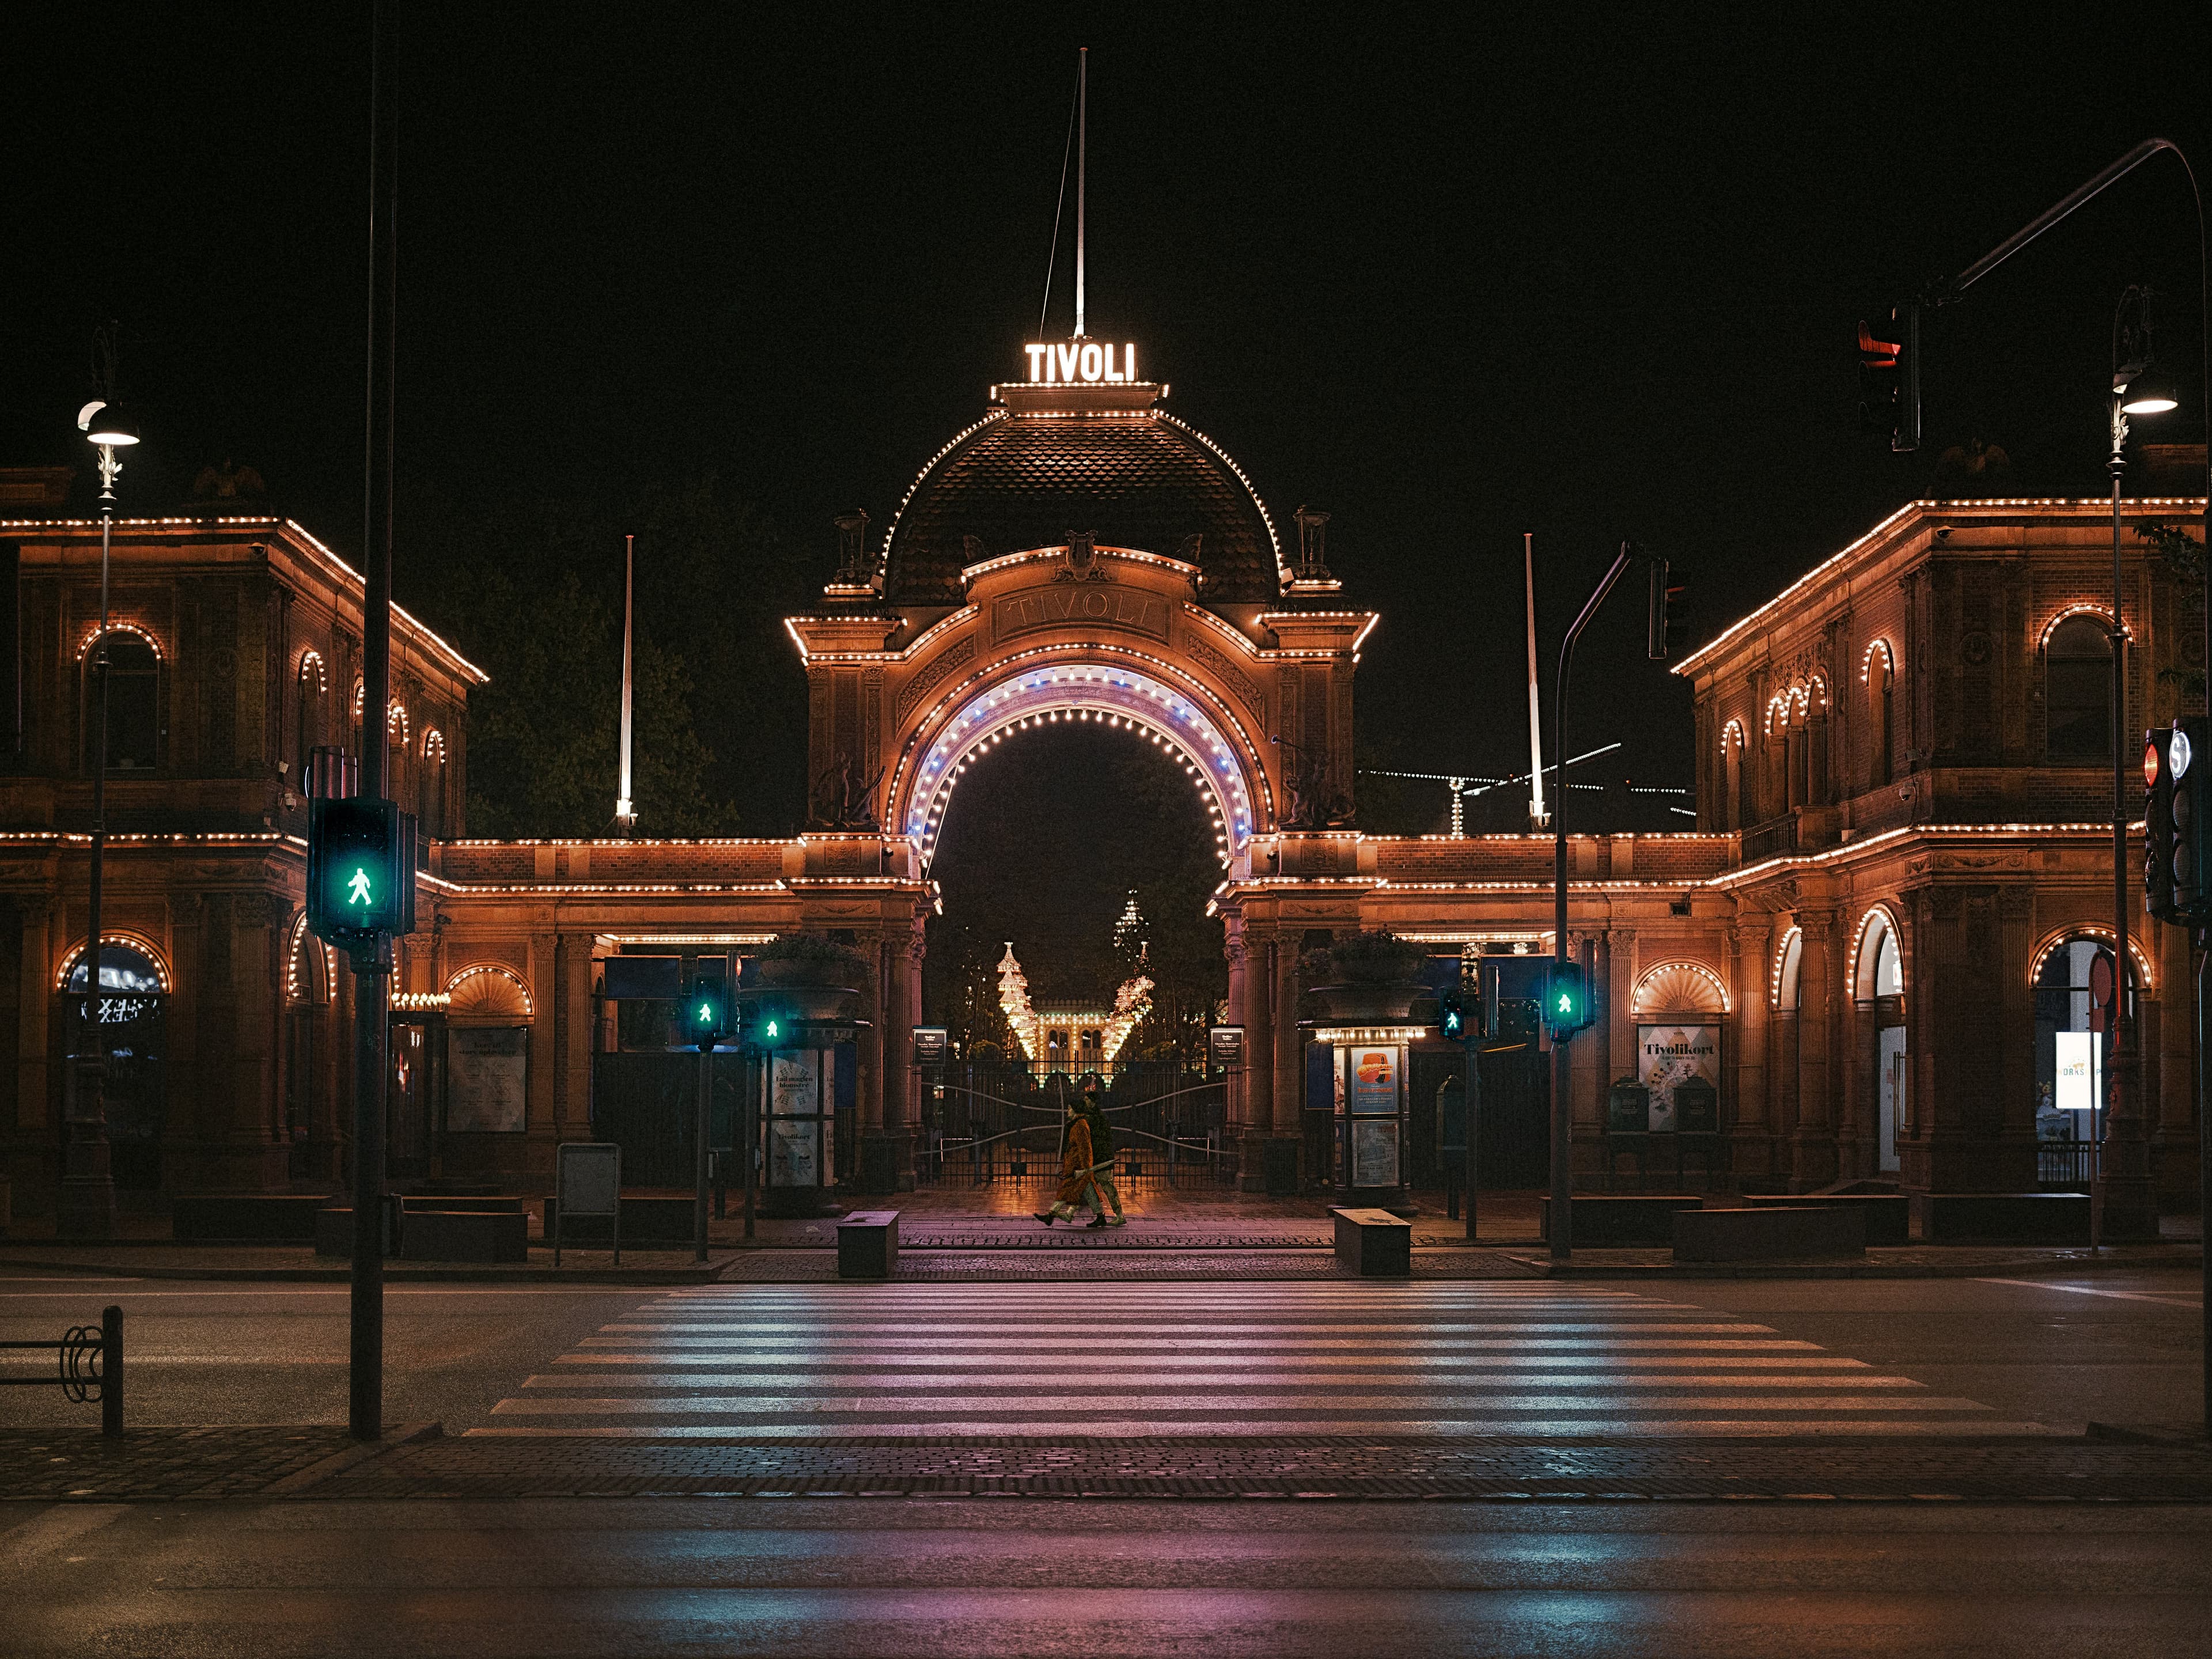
{"points": [[1375, 1151], [794, 1123], [587, 1180], [1670, 1057], [486, 1079], [1371, 1082]]}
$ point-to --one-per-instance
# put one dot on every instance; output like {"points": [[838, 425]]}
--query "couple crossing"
{"points": [[1086, 1164]]}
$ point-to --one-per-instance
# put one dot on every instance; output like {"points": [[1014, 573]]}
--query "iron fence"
{"points": [[2065, 1166], [985, 1123]]}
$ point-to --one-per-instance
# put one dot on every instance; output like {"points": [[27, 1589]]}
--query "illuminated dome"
{"points": [[1048, 460]]}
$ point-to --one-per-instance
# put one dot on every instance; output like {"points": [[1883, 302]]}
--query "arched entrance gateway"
{"points": [[1079, 555]]}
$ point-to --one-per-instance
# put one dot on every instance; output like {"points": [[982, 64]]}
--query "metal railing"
{"points": [[88, 1365], [2065, 1166], [983, 1125]]}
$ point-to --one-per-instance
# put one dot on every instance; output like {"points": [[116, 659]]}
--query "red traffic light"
{"points": [[2151, 760]]}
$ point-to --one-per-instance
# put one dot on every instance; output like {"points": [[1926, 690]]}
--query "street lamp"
{"points": [[2125, 1206], [88, 1196]]}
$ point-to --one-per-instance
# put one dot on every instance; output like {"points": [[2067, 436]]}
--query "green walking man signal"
{"points": [[361, 872]]}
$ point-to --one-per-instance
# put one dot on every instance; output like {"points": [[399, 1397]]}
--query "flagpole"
{"points": [[625, 809], [1537, 816], [1082, 144]]}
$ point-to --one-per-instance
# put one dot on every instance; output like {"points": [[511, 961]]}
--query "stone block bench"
{"points": [[2002, 1218], [1769, 1233], [867, 1244], [1374, 1244], [334, 1229], [1606, 1218], [465, 1235], [1888, 1215], [232, 1217]]}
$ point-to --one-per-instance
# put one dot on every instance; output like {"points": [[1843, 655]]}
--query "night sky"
{"points": [[1593, 278]]}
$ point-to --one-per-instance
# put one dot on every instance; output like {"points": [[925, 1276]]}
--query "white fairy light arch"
{"points": [[1118, 697]]}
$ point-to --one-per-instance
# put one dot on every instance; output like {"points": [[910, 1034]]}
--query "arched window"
{"points": [[2078, 693], [1881, 679], [134, 701], [431, 810], [1877, 964], [311, 690], [1732, 802], [1787, 964]]}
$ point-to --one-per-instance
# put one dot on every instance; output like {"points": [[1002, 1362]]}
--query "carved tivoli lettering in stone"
{"points": [[1103, 607]]}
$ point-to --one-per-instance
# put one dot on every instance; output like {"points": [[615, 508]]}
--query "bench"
{"points": [[2002, 1218], [1374, 1244], [645, 1220], [867, 1244], [465, 1235], [1888, 1215], [211, 1218], [334, 1229], [504, 1204], [1768, 1233], [1611, 1220]]}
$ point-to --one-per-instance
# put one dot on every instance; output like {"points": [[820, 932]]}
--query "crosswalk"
{"points": [[798, 1362]]}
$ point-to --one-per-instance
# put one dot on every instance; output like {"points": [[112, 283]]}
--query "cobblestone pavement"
{"points": [[1315, 1466], [1159, 1263], [320, 1462], [147, 1463]]}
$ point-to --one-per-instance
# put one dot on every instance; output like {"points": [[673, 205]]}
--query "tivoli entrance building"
{"points": [[1870, 959]]}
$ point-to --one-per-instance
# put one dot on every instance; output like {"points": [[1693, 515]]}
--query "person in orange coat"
{"points": [[1076, 1185]]}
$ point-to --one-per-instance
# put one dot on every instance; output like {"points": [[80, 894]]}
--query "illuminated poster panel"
{"points": [[1668, 1056]]}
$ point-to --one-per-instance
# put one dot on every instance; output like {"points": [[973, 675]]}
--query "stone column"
{"points": [[1750, 944], [254, 1154], [541, 973], [1812, 1152], [1290, 1048]]}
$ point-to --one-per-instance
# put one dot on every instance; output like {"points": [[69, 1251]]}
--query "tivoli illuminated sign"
{"points": [[1074, 362]]}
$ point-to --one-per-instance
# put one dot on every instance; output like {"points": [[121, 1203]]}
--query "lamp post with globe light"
{"points": [[88, 1194]]}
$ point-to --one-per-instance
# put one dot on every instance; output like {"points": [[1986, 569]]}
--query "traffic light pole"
{"points": [[372, 966], [1562, 1230], [699, 1151]]}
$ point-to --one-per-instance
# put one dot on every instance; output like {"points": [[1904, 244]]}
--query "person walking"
{"points": [[1102, 1159], [1077, 1185]]}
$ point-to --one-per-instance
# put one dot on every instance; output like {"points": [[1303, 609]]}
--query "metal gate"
{"points": [[987, 1122]]}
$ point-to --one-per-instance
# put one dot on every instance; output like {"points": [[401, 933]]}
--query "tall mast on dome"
{"points": [[1082, 145]]}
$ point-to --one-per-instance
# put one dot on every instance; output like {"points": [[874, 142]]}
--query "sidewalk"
{"points": [[416, 1461]]}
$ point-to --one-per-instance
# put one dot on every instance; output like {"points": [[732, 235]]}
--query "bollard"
{"points": [[110, 1372]]}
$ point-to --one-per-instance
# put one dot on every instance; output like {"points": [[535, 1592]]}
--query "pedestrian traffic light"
{"points": [[2158, 826], [1889, 379], [361, 871], [707, 1011], [1664, 626], [1451, 1016], [2185, 788], [1566, 1000]]}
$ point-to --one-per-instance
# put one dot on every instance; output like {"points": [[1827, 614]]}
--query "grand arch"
{"points": [[1076, 555]]}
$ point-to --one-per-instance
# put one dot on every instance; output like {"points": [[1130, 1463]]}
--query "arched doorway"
{"points": [[1877, 974], [2072, 1052], [134, 1006]]}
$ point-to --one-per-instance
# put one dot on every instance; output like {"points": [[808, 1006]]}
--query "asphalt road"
{"points": [[2120, 1348], [1276, 1581]]}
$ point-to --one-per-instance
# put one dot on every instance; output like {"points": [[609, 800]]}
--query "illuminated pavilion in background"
{"points": [[1900, 793]]}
